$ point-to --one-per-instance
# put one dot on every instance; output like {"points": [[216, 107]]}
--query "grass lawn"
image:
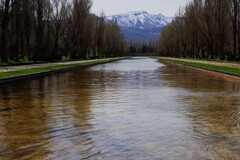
{"points": [[24, 72], [222, 69], [21, 62], [27, 62]]}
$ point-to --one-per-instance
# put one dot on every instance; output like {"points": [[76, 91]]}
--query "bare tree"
{"points": [[42, 29], [38, 19], [57, 20], [5, 8], [205, 29]]}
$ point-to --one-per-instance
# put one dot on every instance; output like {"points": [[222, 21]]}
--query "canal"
{"points": [[131, 109]]}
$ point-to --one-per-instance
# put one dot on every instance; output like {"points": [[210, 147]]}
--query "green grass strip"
{"points": [[24, 72], [212, 67]]}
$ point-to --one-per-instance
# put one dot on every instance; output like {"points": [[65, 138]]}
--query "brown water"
{"points": [[132, 109]]}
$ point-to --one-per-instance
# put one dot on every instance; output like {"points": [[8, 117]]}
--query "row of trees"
{"points": [[143, 46], [203, 29], [48, 29]]}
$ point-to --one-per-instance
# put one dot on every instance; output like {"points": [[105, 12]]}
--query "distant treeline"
{"points": [[50, 29], [138, 46], [204, 29]]}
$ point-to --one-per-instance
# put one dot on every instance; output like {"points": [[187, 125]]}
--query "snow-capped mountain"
{"points": [[140, 19], [140, 25]]}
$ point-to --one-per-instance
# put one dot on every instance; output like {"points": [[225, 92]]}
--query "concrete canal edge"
{"points": [[219, 72], [65, 68]]}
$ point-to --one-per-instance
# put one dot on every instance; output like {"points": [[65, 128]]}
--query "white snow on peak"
{"points": [[140, 19]]}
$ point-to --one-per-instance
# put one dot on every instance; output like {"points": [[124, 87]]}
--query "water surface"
{"points": [[130, 109]]}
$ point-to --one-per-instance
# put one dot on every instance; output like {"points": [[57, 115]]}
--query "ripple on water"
{"points": [[131, 109]]}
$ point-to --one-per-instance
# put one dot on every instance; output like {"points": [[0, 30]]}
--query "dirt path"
{"points": [[42, 65], [228, 64]]}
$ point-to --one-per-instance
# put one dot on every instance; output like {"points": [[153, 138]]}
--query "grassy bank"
{"points": [[212, 67], [25, 61], [33, 71]]}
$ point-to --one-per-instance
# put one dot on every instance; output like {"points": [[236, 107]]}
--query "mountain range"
{"points": [[140, 25]]}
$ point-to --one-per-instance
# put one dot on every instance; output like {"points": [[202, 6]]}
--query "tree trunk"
{"points": [[4, 30]]}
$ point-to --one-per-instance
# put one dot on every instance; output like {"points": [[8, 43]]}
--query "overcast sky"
{"points": [[112, 7]]}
